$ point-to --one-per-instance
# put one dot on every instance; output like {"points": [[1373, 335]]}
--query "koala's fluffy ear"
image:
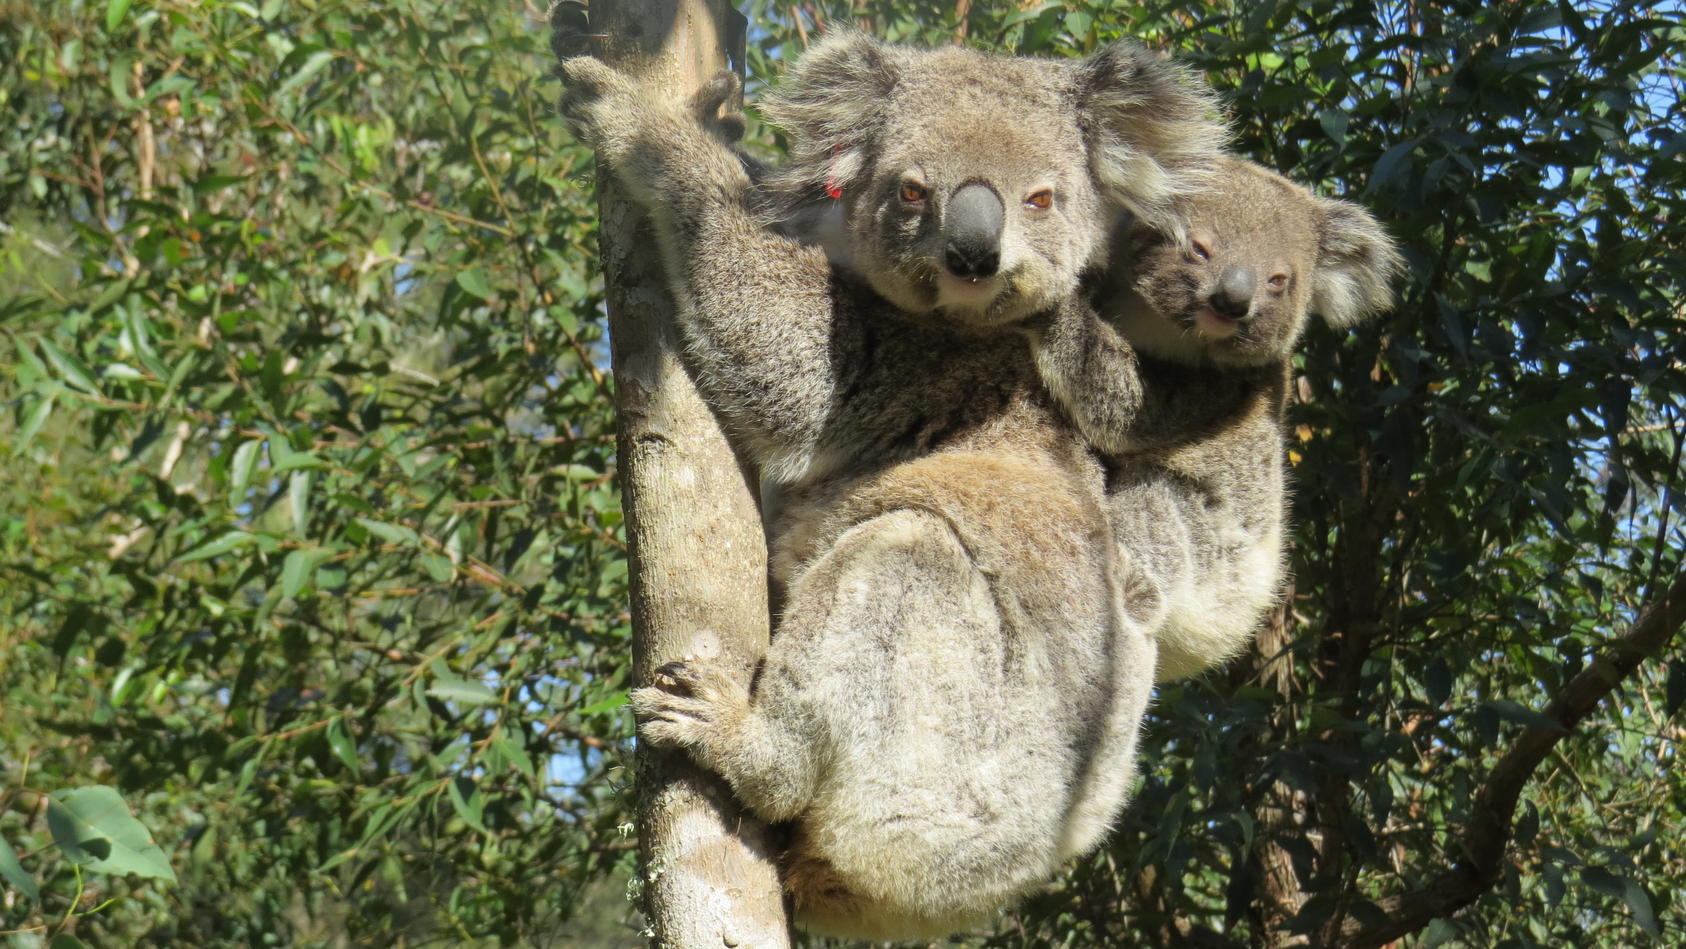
{"points": [[1357, 263], [832, 105], [1154, 129]]}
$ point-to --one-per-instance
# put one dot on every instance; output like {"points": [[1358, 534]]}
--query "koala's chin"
{"points": [[969, 305], [1193, 335]]}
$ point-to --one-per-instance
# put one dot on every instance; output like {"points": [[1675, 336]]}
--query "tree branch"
{"points": [[1488, 832]]}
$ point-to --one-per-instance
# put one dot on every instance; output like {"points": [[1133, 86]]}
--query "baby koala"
{"points": [[1181, 387]]}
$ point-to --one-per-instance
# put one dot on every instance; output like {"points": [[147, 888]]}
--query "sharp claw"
{"points": [[569, 21], [674, 670]]}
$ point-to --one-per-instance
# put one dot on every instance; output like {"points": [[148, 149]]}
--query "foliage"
{"points": [[312, 549]]}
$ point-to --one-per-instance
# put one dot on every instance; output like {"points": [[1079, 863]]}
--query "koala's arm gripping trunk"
{"points": [[698, 559], [764, 334]]}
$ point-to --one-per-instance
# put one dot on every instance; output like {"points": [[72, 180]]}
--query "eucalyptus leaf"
{"points": [[93, 827], [463, 691], [14, 874]]}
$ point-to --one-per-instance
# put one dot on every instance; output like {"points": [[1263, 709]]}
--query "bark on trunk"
{"points": [[698, 556]]}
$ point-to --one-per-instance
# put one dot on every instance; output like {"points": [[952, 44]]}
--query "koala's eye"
{"points": [[1277, 282], [1040, 200], [1200, 249], [914, 193]]}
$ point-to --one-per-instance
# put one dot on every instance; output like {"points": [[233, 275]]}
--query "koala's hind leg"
{"points": [[935, 801], [892, 614]]}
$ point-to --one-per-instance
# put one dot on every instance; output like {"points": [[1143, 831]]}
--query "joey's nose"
{"points": [[973, 228], [1234, 294]]}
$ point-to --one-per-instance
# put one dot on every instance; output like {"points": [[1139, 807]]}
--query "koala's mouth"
{"points": [[962, 293], [1213, 326]]}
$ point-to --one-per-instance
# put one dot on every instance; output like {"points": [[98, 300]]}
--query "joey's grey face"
{"points": [[978, 206], [1238, 286]]}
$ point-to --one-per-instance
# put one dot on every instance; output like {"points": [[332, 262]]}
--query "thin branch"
{"points": [[1488, 832]]}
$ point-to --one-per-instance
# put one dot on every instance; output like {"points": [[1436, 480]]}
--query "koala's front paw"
{"points": [[692, 705], [594, 96]]}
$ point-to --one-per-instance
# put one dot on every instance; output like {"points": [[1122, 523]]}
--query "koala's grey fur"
{"points": [[949, 705], [1187, 407]]}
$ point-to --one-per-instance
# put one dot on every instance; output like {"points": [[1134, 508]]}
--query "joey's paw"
{"points": [[690, 705], [721, 89]]}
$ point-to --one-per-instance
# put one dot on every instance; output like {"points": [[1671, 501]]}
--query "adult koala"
{"points": [[949, 706], [1187, 405]]}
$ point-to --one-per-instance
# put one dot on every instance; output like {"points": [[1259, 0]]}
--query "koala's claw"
{"points": [[570, 29]]}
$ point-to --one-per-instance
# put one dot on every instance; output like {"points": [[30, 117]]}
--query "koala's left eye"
{"points": [[1040, 200], [1277, 281]]}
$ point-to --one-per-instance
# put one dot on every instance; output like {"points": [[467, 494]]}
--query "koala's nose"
{"points": [[973, 227], [1234, 294]]}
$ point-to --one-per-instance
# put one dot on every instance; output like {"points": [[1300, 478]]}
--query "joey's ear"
{"points": [[1357, 263], [1155, 130], [832, 103]]}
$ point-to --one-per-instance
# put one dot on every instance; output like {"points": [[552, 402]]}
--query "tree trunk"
{"points": [[698, 555]]}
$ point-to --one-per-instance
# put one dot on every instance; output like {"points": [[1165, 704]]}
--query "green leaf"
{"points": [[1334, 122], [93, 828], [612, 702], [439, 567], [66, 941], [1604, 882], [474, 282], [118, 75], [249, 770], [32, 421], [1391, 165], [1439, 933], [340, 741], [240, 470], [1639, 903], [1676, 688], [284, 457], [1522, 715], [391, 533], [297, 568], [465, 691], [209, 183], [114, 11], [222, 545], [513, 753], [298, 501], [12, 871], [311, 67], [465, 797], [70, 367]]}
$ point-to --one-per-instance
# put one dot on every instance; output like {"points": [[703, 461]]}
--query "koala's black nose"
{"points": [[973, 226], [1234, 294]]}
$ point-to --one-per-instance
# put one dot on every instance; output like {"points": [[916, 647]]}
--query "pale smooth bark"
{"points": [[698, 555]]}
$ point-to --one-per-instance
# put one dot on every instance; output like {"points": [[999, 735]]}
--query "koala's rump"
{"points": [[982, 726]]}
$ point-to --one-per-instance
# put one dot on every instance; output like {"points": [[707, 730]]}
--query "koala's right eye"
{"points": [[1200, 249], [914, 193]]}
